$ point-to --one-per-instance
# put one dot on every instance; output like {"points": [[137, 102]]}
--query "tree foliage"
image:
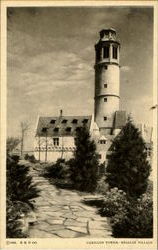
{"points": [[19, 182], [12, 142], [135, 220], [20, 191], [128, 168], [85, 164]]}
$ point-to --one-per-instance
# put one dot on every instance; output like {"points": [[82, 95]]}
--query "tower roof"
{"points": [[108, 35], [107, 31]]}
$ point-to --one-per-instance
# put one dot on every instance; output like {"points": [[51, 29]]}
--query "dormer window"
{"points": [[68, 129], [114, 52], [52, 121], [85, 121], [56, 129], [74, 121], [106, 52], [44, 129], [64, 121], [78, 129], [102, 141]]}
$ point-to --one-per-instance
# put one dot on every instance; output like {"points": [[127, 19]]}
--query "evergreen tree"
{"points": [[85, 164], [19, 182], [20, 191], [128, 168]]}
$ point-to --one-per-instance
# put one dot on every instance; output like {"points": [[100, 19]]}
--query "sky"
{"points": [[51, 56]]}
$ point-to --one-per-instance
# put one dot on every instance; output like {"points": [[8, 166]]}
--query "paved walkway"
{"points": [[61, 213]]}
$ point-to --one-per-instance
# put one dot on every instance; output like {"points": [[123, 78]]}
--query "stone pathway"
{"points": [[61, 214]]}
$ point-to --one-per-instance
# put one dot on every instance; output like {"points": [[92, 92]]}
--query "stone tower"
{"points": [[107, 80]]}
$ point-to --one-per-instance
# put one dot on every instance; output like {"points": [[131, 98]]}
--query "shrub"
{"points": [[115, 201], [19, 183], [59, 170], [30, 158], [13, 226], [20, 191], [12, 143], [136, 221]]}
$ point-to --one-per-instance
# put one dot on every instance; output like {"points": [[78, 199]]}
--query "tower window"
{"points": [[106, 52], [105, 118], [114, 52], [105, 99], [105, 85]]}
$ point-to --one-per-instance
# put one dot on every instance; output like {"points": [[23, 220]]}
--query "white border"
{"points": [[74, 243]]}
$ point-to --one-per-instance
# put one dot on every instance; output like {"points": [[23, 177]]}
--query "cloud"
{"points": [[51, 56]]}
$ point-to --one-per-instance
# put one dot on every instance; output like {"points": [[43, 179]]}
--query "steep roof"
{"points": [[61, 125], [120, 119]]}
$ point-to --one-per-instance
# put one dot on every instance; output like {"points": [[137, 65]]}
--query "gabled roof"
{"points": [[61, 125], [103, 138]]}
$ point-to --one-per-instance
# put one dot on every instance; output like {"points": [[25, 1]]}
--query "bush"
{"points": [[59, 170], [115, 201], [136, 222], [19, 183], [20, 191], [13, 226], [30, 158]]}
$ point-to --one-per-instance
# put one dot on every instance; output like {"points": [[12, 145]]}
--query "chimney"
{"points": [[61, 112]]}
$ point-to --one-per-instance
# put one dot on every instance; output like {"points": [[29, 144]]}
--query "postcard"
{"points": [[79, 124]]}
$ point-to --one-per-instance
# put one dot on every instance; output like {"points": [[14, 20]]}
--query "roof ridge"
{"points": [[65, 116]]}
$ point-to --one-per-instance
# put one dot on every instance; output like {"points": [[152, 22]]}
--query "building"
{"points": [[55, 135]]}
